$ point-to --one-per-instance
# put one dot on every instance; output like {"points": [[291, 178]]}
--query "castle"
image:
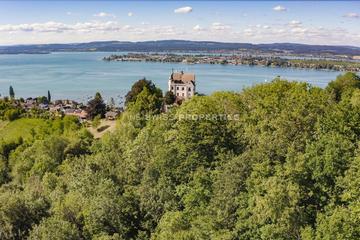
{"points": [[182, 85]]}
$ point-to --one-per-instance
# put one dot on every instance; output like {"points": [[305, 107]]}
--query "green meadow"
{"points": [[19, 128]]}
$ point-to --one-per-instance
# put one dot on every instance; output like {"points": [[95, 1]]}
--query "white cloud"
{"points": [[61, 27], [219, 26], [352, 15], [197, 28], [292, 31], [104, 14], [69, 13], [130, 14], [248, 32], [183, 10], [295, 23], [299, 30], [279, 8], [36, 27]]}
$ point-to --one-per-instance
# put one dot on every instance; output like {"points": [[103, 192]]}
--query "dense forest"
{"points": [[279, 160]]}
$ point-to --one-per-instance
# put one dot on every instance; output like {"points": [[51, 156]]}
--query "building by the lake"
{"points": [[182, 84]]}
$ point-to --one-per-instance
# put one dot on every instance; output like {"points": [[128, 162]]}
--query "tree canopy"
{"points": [[138, 87], [279, 160], [96, 106]]}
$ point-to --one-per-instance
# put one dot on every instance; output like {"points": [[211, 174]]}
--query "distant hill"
{"points": [[180, 45]]}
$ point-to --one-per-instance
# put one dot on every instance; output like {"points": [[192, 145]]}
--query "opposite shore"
{"points": [[318, 64]]}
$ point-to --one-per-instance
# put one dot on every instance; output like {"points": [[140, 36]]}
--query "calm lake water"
{"points": [[79, 75]]}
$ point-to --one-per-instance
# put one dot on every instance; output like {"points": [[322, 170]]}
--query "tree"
{"points": [[42, 99], [169, 98], [112, 103], [57, 229], [49, 96], [138, 87], [96, 106], [344, 84], [96, 121], [11, 92], [12, 114]]}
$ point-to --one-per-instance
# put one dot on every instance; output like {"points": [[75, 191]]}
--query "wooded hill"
{"points": [[286, 167], [181, 45]]}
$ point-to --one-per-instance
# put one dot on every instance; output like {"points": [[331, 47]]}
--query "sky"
{"points": [[35, 22]]}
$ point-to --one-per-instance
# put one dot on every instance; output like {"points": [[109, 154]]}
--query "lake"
{"points": [[79, 75]]}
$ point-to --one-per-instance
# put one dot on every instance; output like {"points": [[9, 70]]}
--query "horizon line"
{"points": [[184, 40]]}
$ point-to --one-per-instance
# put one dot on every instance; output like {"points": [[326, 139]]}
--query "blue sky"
{"points": [[334, 22]]}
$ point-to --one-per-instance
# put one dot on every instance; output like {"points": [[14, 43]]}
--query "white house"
{"points": [[182, 84]]}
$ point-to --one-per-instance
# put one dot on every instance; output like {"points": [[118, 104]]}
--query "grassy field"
{"points": [[19, 128]]}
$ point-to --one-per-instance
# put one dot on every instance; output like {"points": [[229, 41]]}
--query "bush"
{"points": [[96, 121], [100, 129], [169, 98], [12, 114]]}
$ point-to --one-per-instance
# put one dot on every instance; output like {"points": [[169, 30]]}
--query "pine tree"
{"points": [[11, 92]]}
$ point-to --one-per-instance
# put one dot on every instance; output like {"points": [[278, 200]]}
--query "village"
{"points": [[181, 86], [60, 108]]}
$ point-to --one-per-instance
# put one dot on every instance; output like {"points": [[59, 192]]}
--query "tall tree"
{"points": [[96, 106], [11, 92], [138, 87], [49, 96]]}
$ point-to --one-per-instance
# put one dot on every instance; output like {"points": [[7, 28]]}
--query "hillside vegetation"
{"points": [[181, 45], [20, 128], [276, 161]]}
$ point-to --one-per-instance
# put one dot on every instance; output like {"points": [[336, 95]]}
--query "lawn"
{"points": [[19, 128]]}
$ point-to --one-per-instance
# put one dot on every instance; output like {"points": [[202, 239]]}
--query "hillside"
{"points": [[181, 45], [279, 160], [24, 127]]}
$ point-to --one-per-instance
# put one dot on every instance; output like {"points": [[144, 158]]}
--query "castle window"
{"points": [[189, 89], [177, 88], [182, 88], [172, 88], [177, 94], [183, 94]]}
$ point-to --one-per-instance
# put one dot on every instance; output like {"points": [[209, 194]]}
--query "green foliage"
{"points": [[96, 106], [48, 97], [96, 121], [138, 87], [57, 229], [23, 127], [9, 110], [169, 98], [276, 161], [19, 210], [11, 92], [12, 114], [344, 84], [42, 99]]}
